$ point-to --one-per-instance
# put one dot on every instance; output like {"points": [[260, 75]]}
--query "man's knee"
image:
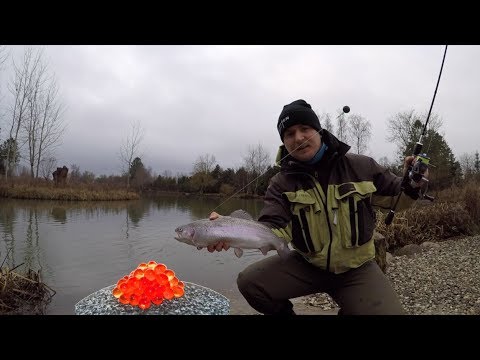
{"points": [[249, 283], [243, 282], [259, 298]]}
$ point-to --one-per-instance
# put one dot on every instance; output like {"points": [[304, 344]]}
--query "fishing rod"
{"points": [[345, 110], [417, 168]]}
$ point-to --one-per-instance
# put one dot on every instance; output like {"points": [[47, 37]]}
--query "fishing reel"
{"points": [[421, 164]]}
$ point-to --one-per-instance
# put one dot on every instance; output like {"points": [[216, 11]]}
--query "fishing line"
{"points": [[431, 105], [216, 207], [433, 100]]}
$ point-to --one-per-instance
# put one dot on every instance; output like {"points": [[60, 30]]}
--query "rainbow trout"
{"points": [[238, 230]]}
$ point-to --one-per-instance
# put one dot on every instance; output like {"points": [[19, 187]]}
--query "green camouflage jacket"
{"points": [[327, 210]]}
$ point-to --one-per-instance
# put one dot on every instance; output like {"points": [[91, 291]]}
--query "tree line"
{"points": [[207, 176], [404, 130]]}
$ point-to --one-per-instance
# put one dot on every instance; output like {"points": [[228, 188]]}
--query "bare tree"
{"points": [[50, 122], [75, 173], [342, 127], [130, 147], [47, 164], [477, 163], [256, 162], [204, 164], [405, 127], [384, 161], [3, 58], [3, 55], [467, 164], [32, 116], [202, 168], [326, 122], [39, 109], [21, 89], [360, 132], [87, 177], [390, 165]]}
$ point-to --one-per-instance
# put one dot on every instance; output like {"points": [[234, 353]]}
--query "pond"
{"points": [[82, 247]]}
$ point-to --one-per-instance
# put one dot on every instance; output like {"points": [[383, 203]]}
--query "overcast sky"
{"points": [[194, 100]]}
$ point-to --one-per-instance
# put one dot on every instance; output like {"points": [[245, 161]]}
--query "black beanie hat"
{"points": [[297, 112]]}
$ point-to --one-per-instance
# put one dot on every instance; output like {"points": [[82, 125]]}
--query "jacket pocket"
{"points": [[302, 207], [301, 199], [354, 214]]}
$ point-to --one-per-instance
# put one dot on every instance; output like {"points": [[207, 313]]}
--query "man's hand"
{"points": [[220, 245], [409, 160]]}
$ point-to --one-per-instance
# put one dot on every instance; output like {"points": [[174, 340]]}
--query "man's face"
{"points": [[302, 141]]}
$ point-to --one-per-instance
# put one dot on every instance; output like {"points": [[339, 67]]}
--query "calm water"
{"points": [[82, 247]]}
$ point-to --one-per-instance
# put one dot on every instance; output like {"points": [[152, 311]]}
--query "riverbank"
{"points": [[239, 306], [23, 293], [435, 279], [83, 192], [23, 191]]}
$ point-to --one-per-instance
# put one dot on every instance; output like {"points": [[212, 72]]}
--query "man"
{"points": [[322, 201]]}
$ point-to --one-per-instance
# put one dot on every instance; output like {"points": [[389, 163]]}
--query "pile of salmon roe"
{"points": [[150, 283]]}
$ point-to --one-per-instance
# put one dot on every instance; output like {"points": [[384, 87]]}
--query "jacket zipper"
{"points": [[304, 231], [329, 252]]}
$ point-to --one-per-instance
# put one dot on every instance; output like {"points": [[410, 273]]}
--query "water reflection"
{"points": [[27, 254], [80, 247], [7, 220], [59, 214], [136, 210]]}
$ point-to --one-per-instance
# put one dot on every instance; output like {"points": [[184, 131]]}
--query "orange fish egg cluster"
{"points": [[150, 283]]}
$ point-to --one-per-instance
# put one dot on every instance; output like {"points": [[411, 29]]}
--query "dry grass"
{"points": [[434, 222], [471, 197], [42, 192], [454, 212], [23, 293]]}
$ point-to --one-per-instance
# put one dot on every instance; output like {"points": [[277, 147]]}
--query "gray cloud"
{"points": [[193, 100]]}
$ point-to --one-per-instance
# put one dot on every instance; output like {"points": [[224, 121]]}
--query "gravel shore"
{"points": [[439, 280]]}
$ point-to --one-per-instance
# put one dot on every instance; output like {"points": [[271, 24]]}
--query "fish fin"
{"points": [[238, 252], [242, 214], [265, 249], [199, 247]]}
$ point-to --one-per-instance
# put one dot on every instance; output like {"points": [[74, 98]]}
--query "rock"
{"points": [[409, 250], [388, 258], [197, 300], [380, 250], [429, 245]]}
